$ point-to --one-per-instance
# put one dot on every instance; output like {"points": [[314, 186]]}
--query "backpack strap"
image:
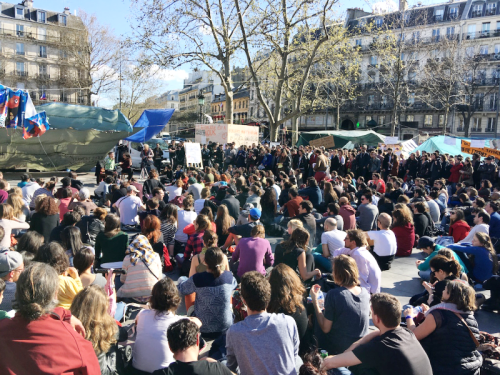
{"points": [[470, 331]]}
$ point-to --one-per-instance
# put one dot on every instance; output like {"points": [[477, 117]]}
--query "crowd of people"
{"points": [[72, 262]]}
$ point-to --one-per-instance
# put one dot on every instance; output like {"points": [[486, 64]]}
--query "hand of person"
{"points": [[325, 365], [77, 325], [418, 262], [424, 307], [196, 321], [315, 289], [428, 287], [317, 273], [73, 272], [409, 312]]}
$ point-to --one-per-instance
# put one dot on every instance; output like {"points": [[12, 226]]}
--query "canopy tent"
{"points": [[81, 117], [342, 137], [438, 144], [349, 146], [152, 121]]}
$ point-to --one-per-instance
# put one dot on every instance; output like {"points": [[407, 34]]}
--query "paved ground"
{"points": [[401, 280]]}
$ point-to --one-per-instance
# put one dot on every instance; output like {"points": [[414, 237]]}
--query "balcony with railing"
{"points": [[481, 34], [460, 129], [43, 76], [20, 53], [21, 73], [491, 12], [28, 35], [477, 13]]}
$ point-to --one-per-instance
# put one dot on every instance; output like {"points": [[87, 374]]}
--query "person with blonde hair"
{"points": [[9, 223], [346, 315], [91, 307], [21, 211]]}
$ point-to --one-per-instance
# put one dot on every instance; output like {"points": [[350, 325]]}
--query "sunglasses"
{"points": [[452, 213]]}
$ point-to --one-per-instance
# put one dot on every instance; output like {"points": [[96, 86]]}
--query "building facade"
{"points": [[34, 52]]}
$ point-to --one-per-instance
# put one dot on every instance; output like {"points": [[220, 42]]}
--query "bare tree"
{"points": [[92, 56], [299, 37], [175, 33]]}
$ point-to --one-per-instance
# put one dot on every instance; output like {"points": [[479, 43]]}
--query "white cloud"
{"points": [[170, 74], [205, 30]]}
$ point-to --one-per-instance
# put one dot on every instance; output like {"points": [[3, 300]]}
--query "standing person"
{"points": [[158, 157], [345, 318], [362, 163], [384, 242], [387, 164], [254, 343], [147, 158], [35, 333], [229, 155], [389, 340], [369, 271], [320, 167], [109, 164], [126, 165]]}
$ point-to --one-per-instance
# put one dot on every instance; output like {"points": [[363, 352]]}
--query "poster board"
{"points": [[396, 149], [485, 151], [274, 144], [193, 153], [226, 133], [243, 135], [212, 133], [391, 140], [326, 142]]}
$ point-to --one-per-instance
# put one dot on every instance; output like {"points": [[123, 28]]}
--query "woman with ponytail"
{"points": [[444, 269], [213, 289]]}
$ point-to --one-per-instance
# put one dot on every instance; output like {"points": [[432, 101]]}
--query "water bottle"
{"points": [[418, 309]]}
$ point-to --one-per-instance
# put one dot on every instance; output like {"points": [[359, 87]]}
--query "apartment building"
{"points": [[241, 103], [36, 53], [169, 99]]}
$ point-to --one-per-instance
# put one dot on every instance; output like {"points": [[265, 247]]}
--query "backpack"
{"points": [[178, 201]]}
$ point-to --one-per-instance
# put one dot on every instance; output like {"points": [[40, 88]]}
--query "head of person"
{"points": [[442, 267], [84, 259], [481, 217], [305, 207], [164, 297], [355, 238], [182, 336], [366, 198], [345, 271], [54, 255], [330, 224], [384, 221], [151, 228], [311, 182], [456, 215], [255, 291], [254, 214], [460, 294], [332, 209], [132, 190], [48, 206], [258, 231], [210, 238], [426, 244], [83, 194], [401, 217], [492, 207], [386, 311], [299, 238], [214, 259], [158, 193], [343, 201], [188, 203], [36, 291], [71, 239], [30, 242], [419, 208], [11, 265], [287, 290], [111, 225], [294, 224], [481, 239], [72, 217], [169, 213]]}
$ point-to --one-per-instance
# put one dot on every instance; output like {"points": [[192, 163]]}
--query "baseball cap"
{"points": [[9, 261], [209, 177], [132, 188], [255, 213], [192, 180], [424, 242]]}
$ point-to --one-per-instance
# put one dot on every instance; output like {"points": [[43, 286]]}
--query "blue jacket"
{"points": [[495, 225], [314, 194], [483, 264]]}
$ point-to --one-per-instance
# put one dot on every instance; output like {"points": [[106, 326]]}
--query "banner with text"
{"points": [[485, 151]]}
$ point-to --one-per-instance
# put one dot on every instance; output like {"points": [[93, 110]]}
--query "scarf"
{"points": [[140, 248], [446, 306]]}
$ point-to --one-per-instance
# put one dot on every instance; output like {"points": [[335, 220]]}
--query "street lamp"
{"points": [[201, 102]]}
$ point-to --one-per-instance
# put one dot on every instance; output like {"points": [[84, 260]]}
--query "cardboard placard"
{"points": [[193, 153], [485, 151], [391, 140], [326, 142]]}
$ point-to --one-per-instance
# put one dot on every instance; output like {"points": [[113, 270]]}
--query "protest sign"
{"points": [[193, 153], [485, 151], [326, 142]]}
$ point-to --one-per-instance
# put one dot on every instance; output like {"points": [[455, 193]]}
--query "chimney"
{"points": [[28, 4], [403, 5], [66, 11]]}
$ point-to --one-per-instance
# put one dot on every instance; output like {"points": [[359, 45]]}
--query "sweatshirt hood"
{"points": [[348, 208]]}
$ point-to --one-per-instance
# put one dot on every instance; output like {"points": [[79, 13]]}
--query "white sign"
{"points": [[203, 140], [477, 143], [193, 153], [450, 141], [274, 144], [391, 140]]}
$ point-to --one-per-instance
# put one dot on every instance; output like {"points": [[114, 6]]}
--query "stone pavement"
{"points": [[401, 280]]}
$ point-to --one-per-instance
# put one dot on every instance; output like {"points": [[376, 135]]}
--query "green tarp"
{"points": [[342, 137]]}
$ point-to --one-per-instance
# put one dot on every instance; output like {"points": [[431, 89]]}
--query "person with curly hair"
{"points": [[46, 217], [151, 351]]}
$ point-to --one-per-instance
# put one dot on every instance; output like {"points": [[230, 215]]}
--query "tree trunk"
{"points": [[295, 130], [229, 107], [466, 125], [273, 132], [446, 113], [394, 121], [337, 127]]}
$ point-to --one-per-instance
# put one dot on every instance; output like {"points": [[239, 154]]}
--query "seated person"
{"points": [[384, 242], [243, 231], [332, 239]]}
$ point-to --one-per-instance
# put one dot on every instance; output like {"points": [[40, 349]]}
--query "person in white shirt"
{"points": [[481, 225], [184, 218], [194, 188], [28, 191], [434, 210], [270, 183], [332, 239], [200, 203], [128, 207], [369, 272], [384, 242], [174, 190]]}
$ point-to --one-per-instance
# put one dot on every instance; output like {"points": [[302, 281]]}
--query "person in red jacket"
{"points": [[348, 213], [459, 228], [456, 167], [39, 339], [404, 231]]}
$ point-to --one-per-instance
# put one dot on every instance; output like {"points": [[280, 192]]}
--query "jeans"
{"points": [[322, 262], [425, 275], [120, 310]]}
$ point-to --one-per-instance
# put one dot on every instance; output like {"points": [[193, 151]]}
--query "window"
{"points": [[62, 19], [20, 49], [411, 98], [450, 31], [469, 51], [410, 118], [172, 105], [381, 121], [416, 36], [490, 127], [406, 16], [43, 51], [483, 50], [476, 124], [251, 111], [412, 76], [358, 42], [428, 121], [43, 92], [20, 69], [371, 99], [379, 22], [471, 31], [42, 70], [368, 119], [20, 31], [441, 120], [42, 34], [373, 60], [493, 102], [41, 16], [19, 12], [454, 12], [477, 10], [485, 30], [491, 9], [435, 35], [438, 16], [384, 100]]}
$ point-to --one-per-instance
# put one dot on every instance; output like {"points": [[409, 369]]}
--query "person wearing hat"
{"points": [[244, 230], [194, 188], [128, 206], [243, 218], [487, 169], [230, 201], [11, 266], [430, 248]]}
